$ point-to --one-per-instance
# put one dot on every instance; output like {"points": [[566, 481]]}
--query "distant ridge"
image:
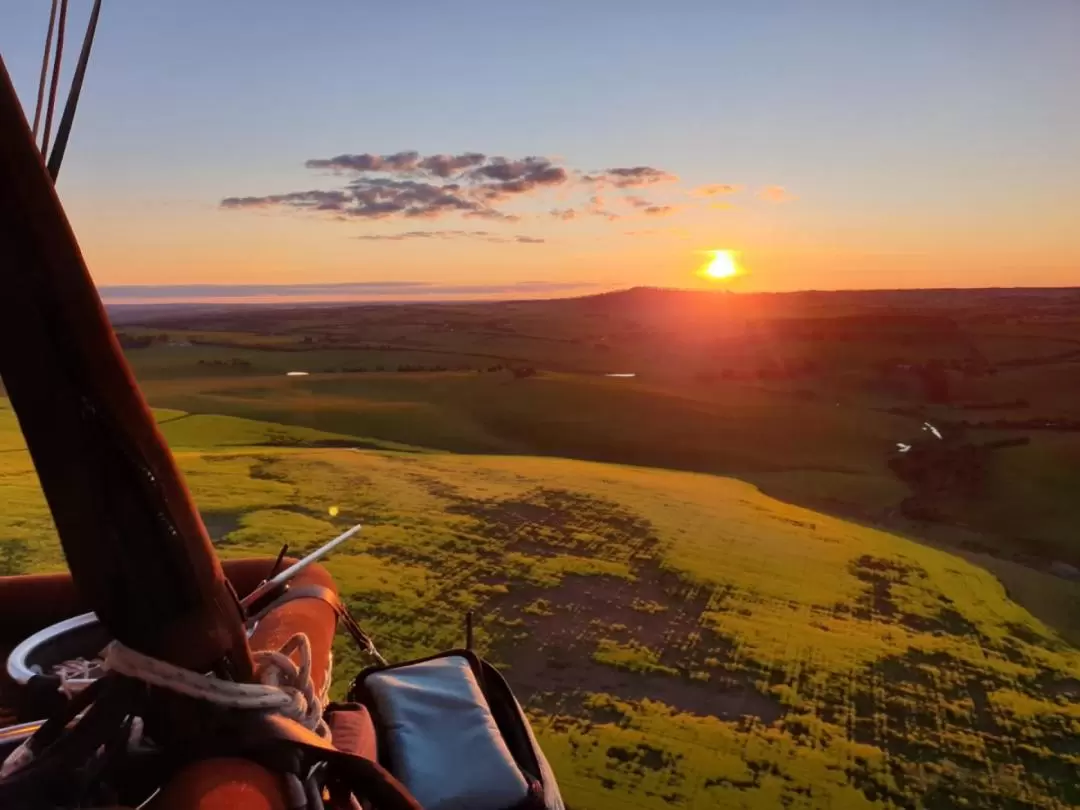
{"points": [[389, 291]]}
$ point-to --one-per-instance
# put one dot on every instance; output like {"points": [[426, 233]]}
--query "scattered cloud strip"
{"points": [[716, 190], [486, 236], [659, 210], [409, 187], [776, 194], [597, 207], [630, 177]]}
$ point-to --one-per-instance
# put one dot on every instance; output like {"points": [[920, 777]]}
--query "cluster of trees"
{"points": [[783, 370], [1063, 424], [937, 470], [996, 406], [129, 341], [403, 367], [933, 376], [235, 362], [417, 367], [905, 329]]}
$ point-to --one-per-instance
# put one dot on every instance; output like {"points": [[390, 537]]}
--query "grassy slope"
{"points": [[820, 442], [735, 430], [869, 670]]}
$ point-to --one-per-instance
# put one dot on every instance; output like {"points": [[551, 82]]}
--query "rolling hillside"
{"points": [[680, 639], [808, 395]]}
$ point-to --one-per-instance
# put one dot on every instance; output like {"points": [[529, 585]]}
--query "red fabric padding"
{"points": [[352, 730]]}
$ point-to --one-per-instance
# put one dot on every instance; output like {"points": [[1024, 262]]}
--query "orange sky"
{"points": [[781, 246], [833, 145]]}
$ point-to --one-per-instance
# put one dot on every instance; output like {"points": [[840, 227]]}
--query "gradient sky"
{"points": [[917, 143]]}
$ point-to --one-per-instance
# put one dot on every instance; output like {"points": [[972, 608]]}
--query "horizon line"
{"points": [[405, 292]]}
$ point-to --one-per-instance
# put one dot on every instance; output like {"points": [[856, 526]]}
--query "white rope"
{"points": [[283, 687]]}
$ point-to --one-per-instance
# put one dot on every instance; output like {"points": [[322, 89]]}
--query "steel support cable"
{"points": [[63, 131], [44, 69], [55, 83]]}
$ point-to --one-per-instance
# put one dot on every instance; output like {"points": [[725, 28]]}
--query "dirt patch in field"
{"points": [[264, 470], [220, 525], [1053, 684], [890, 719], [551, 655], [549, 521], [435, 486], [647, 628]]}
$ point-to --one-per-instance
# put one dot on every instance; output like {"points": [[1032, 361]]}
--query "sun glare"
{"points": [[723, 266]]}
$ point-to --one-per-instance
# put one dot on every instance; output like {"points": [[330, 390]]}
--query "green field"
{"points": [[680, 639], [713, 584], [806, 395]]}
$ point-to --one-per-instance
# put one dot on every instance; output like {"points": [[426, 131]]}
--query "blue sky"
{"points": [[919, 141]]}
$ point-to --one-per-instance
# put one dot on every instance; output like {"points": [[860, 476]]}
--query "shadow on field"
{"points": [[637, 635]]}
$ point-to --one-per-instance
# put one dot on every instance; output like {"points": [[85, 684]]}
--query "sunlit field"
{"points": [[678, 638]]}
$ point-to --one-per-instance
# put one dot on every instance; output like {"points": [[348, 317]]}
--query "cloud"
{"points": [[448, 165], [776, 194], [723, 206], [408, 185], [660, 210], [397, 162], [486, 236], [538, 169], [650, 208], [504, 178], [376, 198], [630, 177], [400, 237], [313, 200], [597, 207], [716, 189]]}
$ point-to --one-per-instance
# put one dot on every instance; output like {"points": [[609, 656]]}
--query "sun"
{"points": [[723, 266]]}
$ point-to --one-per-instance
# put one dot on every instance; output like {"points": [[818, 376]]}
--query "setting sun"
{"points": [[722, 266]]}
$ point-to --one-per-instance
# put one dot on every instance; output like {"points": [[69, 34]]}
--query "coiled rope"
{"points": [[283, 687]]}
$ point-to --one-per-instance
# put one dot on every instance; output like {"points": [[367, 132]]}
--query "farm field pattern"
{"points": [[680, 639]]}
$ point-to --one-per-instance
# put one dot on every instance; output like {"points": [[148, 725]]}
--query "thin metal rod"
{"points": [[281, 578]]}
